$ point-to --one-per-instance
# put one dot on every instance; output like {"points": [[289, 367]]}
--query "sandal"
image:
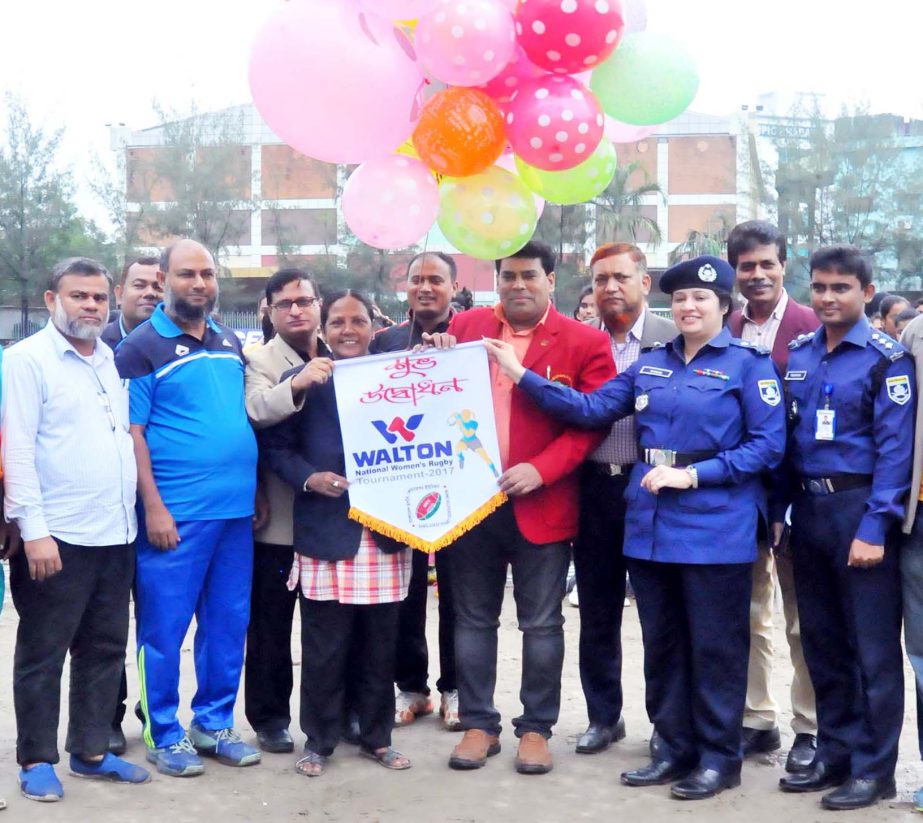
{"points": [[311, 765], [387, 757]]}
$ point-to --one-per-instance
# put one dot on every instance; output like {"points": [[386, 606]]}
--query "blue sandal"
{"points": [[389, 758]]}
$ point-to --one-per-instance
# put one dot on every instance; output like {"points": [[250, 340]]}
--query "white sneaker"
{"points": [[408, 706], [572, 597], [448, 711]]}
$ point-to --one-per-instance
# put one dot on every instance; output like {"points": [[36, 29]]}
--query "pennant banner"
{"points": [[420, 442]]}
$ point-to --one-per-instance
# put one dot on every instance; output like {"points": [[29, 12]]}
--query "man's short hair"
{"points": [[280, 279], [843, 259], [612, 249], [83, 266], [906, 314], [747, 236], [445, 258], [533, 250], [168, 251], [888, 302], [144, 260]]}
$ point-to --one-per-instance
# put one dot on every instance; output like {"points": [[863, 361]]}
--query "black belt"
{"points": [[679, 460], [610, 469], [831, 485]]}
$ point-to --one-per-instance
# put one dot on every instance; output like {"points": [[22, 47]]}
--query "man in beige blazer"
{"points": [[912, 550], [294, 309]]}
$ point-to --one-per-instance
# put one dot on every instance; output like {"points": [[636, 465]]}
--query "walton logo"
{"points": [[399, 426]]}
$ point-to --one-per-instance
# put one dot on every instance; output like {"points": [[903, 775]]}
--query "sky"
{"points": [[86, 64]]}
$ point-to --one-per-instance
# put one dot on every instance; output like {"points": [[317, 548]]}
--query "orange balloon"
{"points": [[460, 132]]}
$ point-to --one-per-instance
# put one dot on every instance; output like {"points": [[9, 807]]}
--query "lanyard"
{"points": [[828, 393]]}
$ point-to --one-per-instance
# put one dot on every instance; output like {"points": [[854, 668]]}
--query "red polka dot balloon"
{"points": [[554, 123], [569, 36]]}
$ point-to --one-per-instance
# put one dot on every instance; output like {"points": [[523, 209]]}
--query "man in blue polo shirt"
{"points": [[196, 456]]}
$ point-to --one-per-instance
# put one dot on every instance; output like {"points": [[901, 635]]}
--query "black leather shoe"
{"points": [[275, 741], [819, 777], [857, 793], [761, 741], [139, 713], [655, 745], [598, 738], [801, 755], [656, 773], [702, 783], [117, 742]]}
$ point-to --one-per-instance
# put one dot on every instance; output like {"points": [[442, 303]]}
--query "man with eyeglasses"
{"points": [[70, 477], [294, 311]]}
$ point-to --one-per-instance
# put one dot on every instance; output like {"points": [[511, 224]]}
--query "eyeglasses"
{"points": [[301, 302]]}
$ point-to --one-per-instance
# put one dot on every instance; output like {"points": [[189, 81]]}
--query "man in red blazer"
{"points": [[531, 533], [756, 250]]}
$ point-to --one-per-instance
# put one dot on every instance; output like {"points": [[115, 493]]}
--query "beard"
{"points": [[187, 312], [70, 326]]}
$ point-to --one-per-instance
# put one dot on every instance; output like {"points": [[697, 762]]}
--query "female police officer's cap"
{"points": [[705, 272]]}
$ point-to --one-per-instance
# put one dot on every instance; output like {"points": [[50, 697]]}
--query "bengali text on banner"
{"points": [[420, 443]]}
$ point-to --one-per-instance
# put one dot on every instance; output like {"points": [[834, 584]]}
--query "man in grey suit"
{"points": [[294, 309], [620, 285], [912, 549]]}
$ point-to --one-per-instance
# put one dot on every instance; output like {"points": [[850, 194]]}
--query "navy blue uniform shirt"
{"points": [[728, 401], [868, 381]]}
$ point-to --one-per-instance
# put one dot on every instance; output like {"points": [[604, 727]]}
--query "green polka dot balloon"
{"points": [[487, 215], [576, 185]]}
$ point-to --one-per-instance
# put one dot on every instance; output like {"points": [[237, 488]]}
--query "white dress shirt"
{"points": [[764, 334], [68, 460]]}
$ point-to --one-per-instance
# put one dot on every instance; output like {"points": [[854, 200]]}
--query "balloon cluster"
{"points": [[469, 113]]}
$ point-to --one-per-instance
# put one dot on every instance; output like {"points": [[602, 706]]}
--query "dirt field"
{"points": [[581, 787]]}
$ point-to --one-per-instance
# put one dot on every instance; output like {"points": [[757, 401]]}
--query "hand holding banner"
{"points": [[420, 443]]}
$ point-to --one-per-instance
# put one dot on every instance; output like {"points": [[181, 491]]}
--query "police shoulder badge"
{"points": [[641, 402], [769, 392], [707, 273], [899, 389]]}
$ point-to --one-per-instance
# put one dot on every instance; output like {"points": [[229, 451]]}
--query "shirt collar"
{"points": [[720, 341], [635, 331], [62, 345], [776, 313], [501, 316], [165, 327], [858, 334]]}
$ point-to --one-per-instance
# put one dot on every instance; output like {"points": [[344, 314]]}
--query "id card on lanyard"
{"points": [[825, 423]]}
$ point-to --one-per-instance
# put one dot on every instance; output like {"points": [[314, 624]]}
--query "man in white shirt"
{"points": [[70, 481]]}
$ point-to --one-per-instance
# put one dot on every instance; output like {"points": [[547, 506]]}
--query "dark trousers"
{"points": [[330, 633], [82, 610], [600, 568], [412, 653], [851, 631], [695, 623], [268, 664], [479, 561]]}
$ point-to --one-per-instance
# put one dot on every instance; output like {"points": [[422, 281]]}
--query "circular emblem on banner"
{"points": [[707, 273]]}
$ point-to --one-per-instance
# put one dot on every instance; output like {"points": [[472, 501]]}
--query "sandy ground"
{"points": [[581, 787]]}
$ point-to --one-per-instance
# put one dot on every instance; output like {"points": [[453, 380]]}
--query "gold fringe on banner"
{"points": [[419, 543]]}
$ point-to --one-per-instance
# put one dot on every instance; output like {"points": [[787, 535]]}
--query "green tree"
{"points": [[620, 211], [39, 221]]}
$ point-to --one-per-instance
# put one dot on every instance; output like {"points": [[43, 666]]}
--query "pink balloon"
{"points": [[335, 83], [397, 9], [554, 123], [390, 203], [519, 69], [569, 36], [626, 133], [508, 162], [465, 42]]}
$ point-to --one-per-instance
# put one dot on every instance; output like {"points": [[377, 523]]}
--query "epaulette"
{"points": [[886, 346], [801, 339], [654, 347], [746, 344]]}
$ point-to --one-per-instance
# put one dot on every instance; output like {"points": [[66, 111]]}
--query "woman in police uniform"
{"points": [[710, 421]]}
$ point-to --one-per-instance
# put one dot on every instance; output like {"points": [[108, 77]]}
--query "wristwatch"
{"points": [[694, 475]]}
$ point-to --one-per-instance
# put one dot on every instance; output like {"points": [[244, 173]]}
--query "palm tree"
{"points": [[619, 209], [712, 241]]}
